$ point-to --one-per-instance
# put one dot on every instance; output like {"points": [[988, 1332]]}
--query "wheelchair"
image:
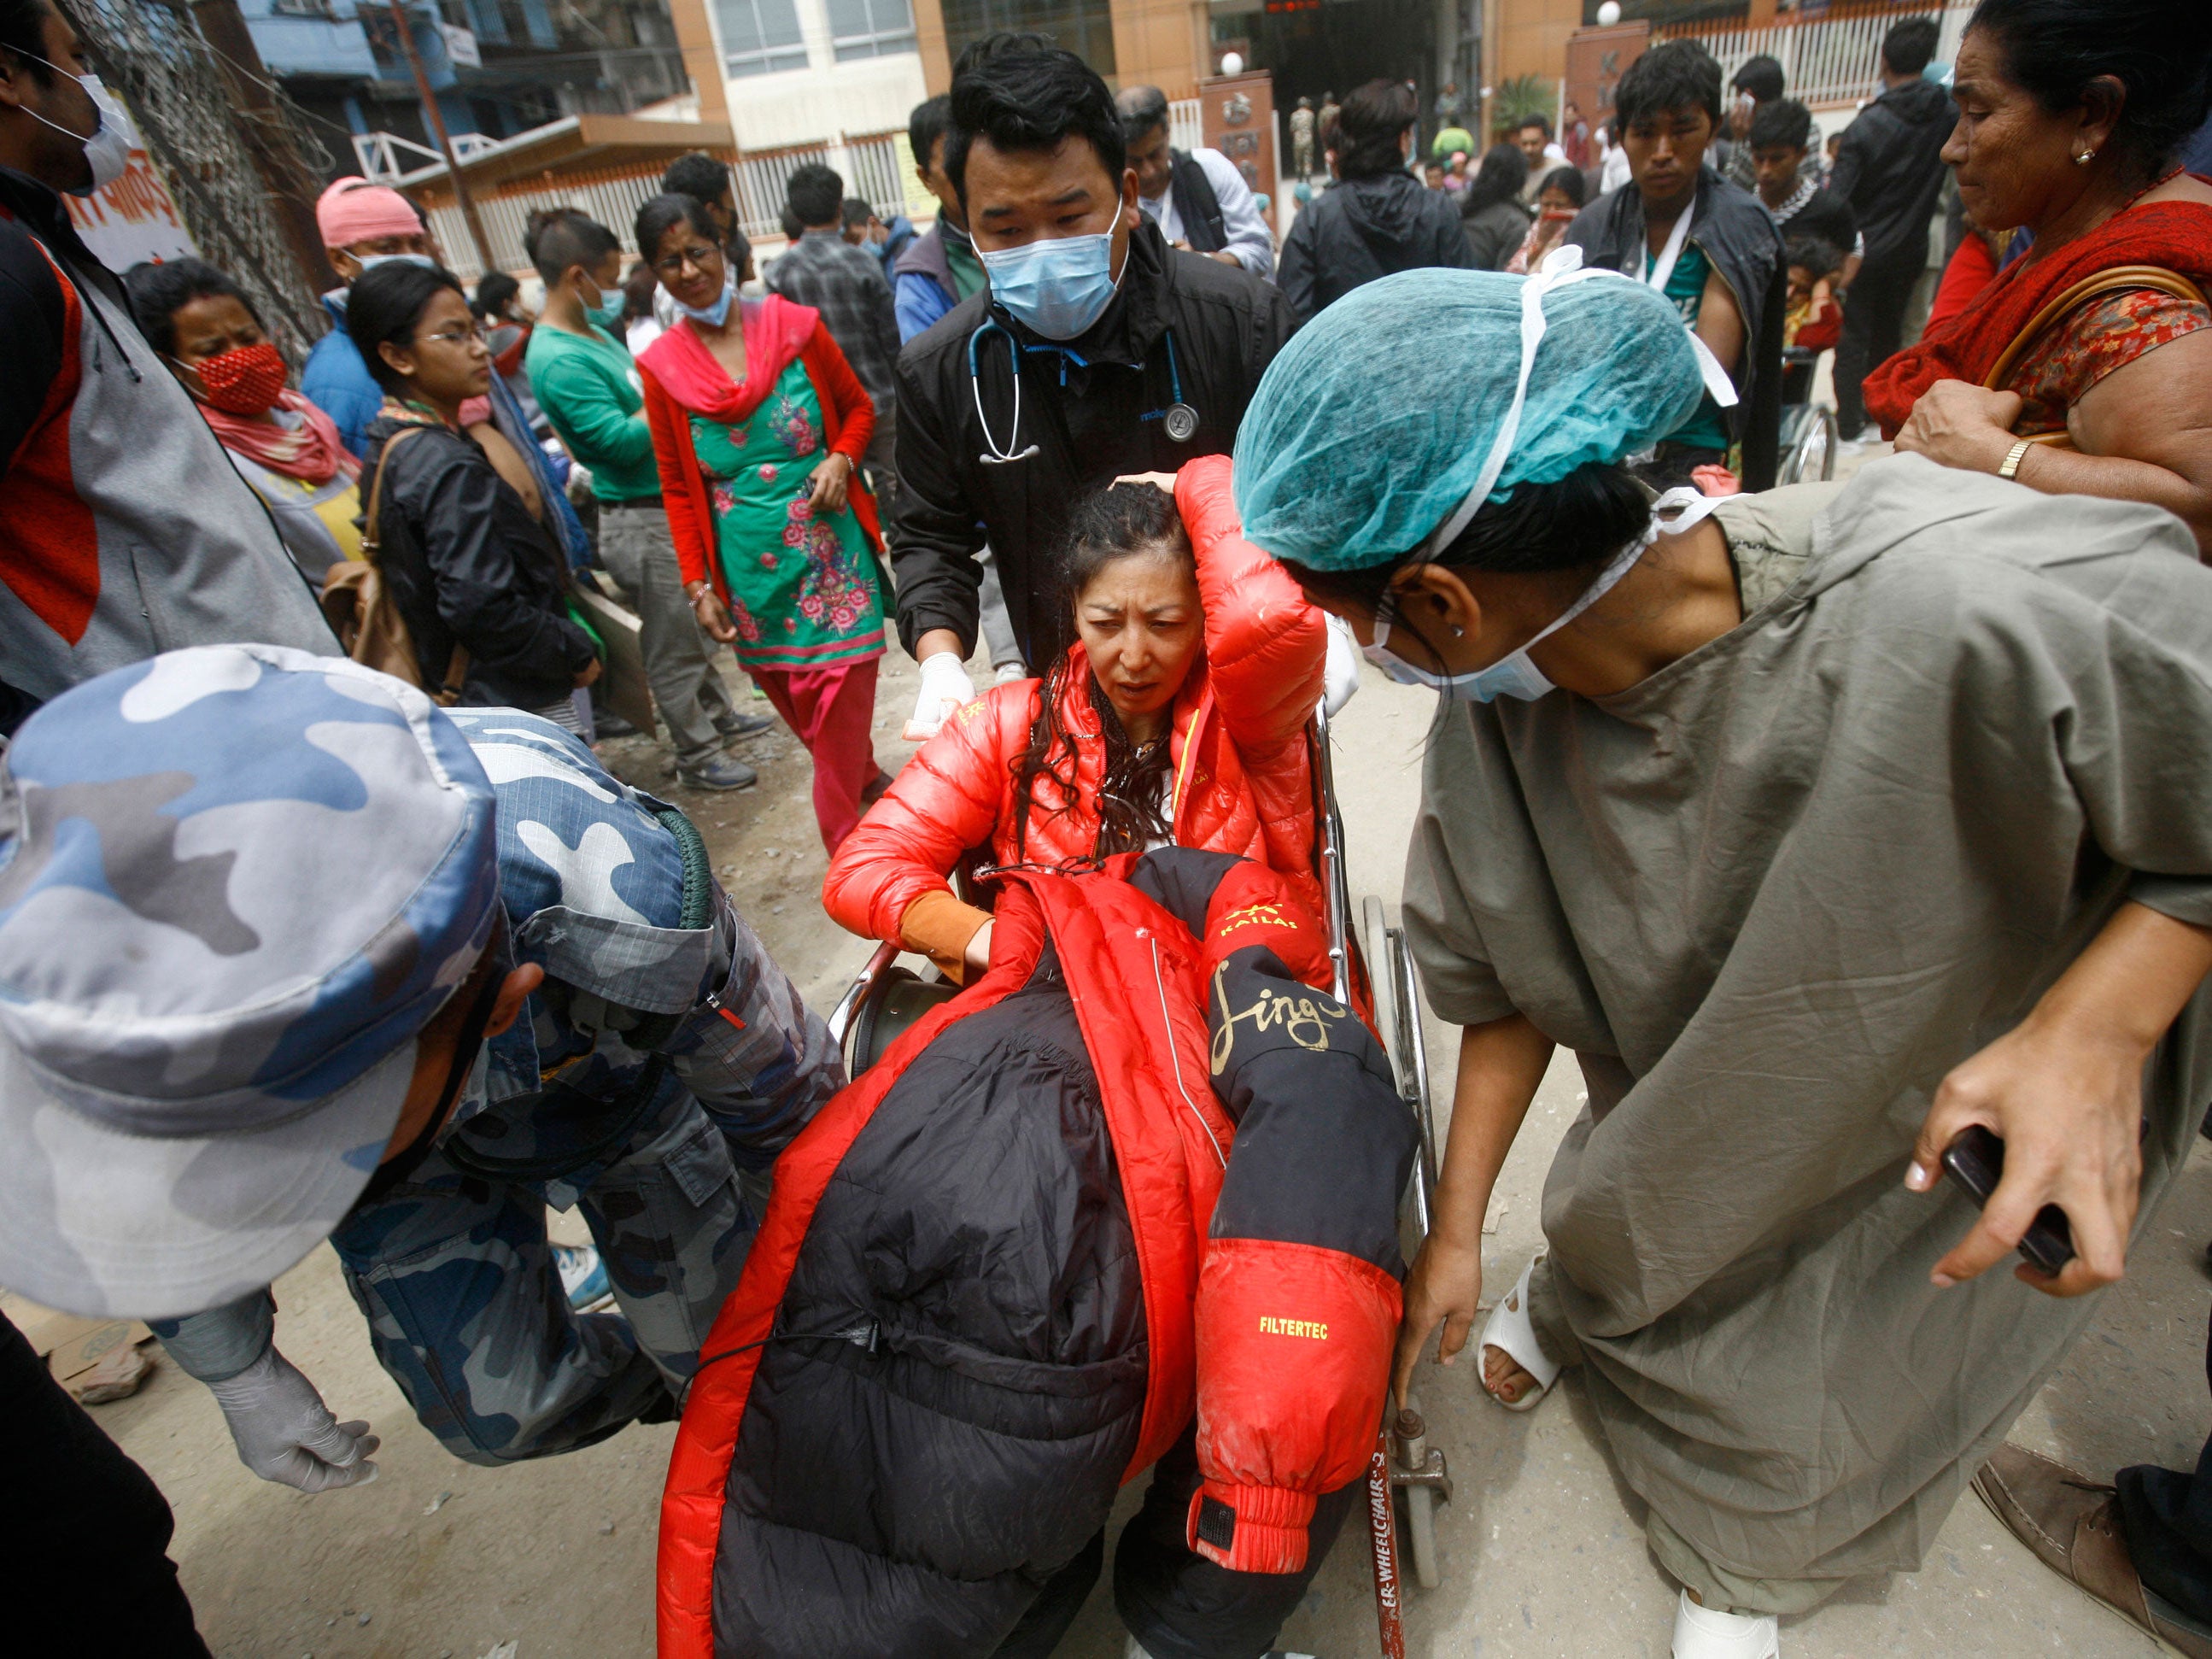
{"points": [[1808, 447], [1406, 1477]]}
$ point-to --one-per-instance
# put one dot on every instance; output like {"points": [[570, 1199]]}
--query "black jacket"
{"points": [[1092, 407], [1826, 216], [466, 563], [1495, 232], [1890, 169], [1359, 229], [1736, 232]]}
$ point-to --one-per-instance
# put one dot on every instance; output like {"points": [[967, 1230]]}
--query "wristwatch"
{"points": [[2010, 468]]}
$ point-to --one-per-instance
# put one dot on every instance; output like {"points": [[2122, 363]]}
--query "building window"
{"points": [[1085, 27], [759, 37], [871, 28]]}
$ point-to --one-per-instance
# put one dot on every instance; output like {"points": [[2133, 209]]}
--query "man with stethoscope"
{"points": [[1095, 351], [1709, 247]]}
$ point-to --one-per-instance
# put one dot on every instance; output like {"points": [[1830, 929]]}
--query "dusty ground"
{"points": [[1543, 1549]]}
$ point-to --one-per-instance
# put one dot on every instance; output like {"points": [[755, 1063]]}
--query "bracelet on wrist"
{"points": [[2010, 467]]}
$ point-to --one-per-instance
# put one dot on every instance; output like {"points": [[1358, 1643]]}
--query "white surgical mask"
{"points": [[1515, 674], [109, 144], [370, 261]]}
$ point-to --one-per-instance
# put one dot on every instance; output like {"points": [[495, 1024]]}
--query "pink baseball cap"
{"points": [[354, 210]]}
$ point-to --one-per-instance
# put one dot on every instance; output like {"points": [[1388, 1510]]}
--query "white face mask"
{"points": [[370, 261], [1515, 674], [109, 145]]}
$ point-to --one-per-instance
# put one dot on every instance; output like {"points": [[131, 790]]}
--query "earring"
{"points": [[1458, 633], [2085, 158]]}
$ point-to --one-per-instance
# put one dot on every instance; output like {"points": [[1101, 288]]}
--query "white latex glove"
{"points": [[945, 687], [1341, 671], [286, 1434]]}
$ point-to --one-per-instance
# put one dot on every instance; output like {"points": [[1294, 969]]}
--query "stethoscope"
{"points": [[1178, 419]]}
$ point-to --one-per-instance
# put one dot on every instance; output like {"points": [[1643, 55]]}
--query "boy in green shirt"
{"points": [[589, 390]]}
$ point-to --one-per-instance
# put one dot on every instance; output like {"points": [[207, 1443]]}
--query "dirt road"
{"points": [[1543, 1549]]}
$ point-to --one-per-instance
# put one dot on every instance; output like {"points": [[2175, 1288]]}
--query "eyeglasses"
{"points": [[696, 255], [451, 337]]}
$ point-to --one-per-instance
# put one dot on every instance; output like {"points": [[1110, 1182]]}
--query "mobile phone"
{"points": [[1975, 1160]]}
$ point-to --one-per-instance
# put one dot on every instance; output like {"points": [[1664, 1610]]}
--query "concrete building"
{"points": [[497, 67]]}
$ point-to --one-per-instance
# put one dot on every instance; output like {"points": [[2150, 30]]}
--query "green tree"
{"points": [[1518, 99]]}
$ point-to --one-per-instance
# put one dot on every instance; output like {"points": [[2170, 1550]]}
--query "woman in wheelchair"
{"points": [[1178, 716]]}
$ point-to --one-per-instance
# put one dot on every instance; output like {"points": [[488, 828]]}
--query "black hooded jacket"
{"points": [[1093, 409], [1738, 235], [1359, 229], [1890, 168]]}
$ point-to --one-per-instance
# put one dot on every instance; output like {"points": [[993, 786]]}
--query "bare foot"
{"points": [[1506, 1381]]}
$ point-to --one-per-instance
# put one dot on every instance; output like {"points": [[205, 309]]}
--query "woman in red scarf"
{"points": [[2070, 112], [759, 424], [288, 449]]}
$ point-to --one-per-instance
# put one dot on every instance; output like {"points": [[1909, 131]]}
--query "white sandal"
{"points": [[1510, 1332], [1704, 1633]]}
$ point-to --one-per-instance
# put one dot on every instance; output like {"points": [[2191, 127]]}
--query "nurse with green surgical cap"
{"points": [[1822, 825]]}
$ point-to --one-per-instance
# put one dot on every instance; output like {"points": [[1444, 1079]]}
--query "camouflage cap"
{"points": [[235, 881]]}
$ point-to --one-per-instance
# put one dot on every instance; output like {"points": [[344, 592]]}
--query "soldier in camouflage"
{"points": [[287, 953]]}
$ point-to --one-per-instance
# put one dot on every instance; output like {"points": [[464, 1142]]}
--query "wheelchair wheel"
{"points": [[894, 1002], [1419, 1506]]}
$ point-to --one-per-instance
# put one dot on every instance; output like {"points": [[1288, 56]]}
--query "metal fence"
{"points": [[1830, 59], [612, 196], [1187, 124], [873, 167]]}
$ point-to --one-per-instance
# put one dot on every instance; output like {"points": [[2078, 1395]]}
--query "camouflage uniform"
{"points": [[451, 1267]]}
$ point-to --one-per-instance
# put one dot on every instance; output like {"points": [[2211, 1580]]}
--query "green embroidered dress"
{"points": [[804, 591]]}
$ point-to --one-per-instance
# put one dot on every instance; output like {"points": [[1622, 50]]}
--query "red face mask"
{"points": [[245, 380]]}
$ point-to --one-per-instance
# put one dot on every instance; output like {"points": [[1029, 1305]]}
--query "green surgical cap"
{"points": [[1371, 426]]}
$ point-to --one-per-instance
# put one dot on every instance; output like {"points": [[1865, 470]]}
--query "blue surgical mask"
{"points": [[1515, 674], [370, 261], [713, 315], [607, 313], [1055, 287]]}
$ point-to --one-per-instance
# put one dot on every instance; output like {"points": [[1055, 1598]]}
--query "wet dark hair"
{"points": [[158, 291], [1368, 125], [23, 33], [815, 194], [931, 116], [1569, 182], [637, 292], [562, 237], [495, 291], [385, 304], [1143, 109], [1573, 526], [2160, 50], [1815, 253], [1674, 75], [1907, 47], [1760, 77], [1118, 522], [699, 176], [1504, 169], [1782, 121], [1023, 93], [662, 215]]}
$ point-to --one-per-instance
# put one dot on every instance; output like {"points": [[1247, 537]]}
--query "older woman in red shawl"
{"points": [[2085, 368], [759, 425]]}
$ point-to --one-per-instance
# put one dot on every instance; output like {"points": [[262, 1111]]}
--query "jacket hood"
{"points": [[1386, 210], [1920, 103]]}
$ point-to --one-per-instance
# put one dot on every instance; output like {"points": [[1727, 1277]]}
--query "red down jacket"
{"points": [[969, 1314], [1243, 778]]}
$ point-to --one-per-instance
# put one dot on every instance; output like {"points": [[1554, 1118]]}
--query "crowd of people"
{"points": [[1503, 421]]}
